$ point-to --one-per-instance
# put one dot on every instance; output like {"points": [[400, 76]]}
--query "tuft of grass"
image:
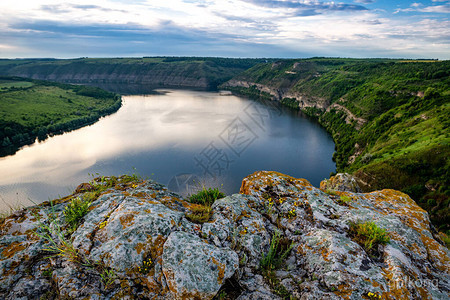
{"points": [[206, 196], [368, 235], [57, 243], [47, 273], [331, 192], [445, 238], [278, 250], [344, 200], [199, 213], [75, 211], [9, 211], [108, 276]]}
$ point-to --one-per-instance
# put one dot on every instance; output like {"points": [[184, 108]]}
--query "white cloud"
{"points": [[296, 26]]}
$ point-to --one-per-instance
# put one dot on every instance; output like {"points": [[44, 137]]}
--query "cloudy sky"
{"points": [[231, 28]]}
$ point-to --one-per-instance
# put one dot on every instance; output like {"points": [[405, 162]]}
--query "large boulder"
{"points": [[343, 182], [195, 269]]}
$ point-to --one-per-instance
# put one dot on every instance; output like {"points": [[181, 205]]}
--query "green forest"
{"points": [[35, 109]]}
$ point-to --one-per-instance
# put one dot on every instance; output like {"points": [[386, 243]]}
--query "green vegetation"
{"points": [[400, 139], [56, 241], [75, 211], [200, 211], [31, 109], [102, 183], [146, 266], [206, 196], [278, 251], [344, 200], [108, 276], [9, 211], [368, 235]]}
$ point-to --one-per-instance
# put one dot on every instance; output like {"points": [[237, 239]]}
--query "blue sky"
{"points": [[230, 28]]}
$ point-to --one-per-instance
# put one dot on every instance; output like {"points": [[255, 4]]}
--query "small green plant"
{"points": [[11, 209], [344, 200], [108, 276], [222, 295], [330, 192], [445, 238], [368, 235], [276, 285], [278, 250], [57, 243], [206, 196], [269, 206], [101, 184], [199, 213], [75, 211], [47, 273], [243, 260]]}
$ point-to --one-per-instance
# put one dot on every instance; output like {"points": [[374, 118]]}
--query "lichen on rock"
{"points": [[136, 242]]}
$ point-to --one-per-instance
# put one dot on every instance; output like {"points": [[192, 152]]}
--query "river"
{"points": [[179, 138]]}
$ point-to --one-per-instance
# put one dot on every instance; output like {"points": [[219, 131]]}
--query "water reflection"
{"points": [[168, 134]]}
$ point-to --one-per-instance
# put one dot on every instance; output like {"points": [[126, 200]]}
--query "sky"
{"points": [[226, 28]]}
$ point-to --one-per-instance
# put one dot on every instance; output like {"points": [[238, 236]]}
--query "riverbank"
{"points": [[35, 109]]}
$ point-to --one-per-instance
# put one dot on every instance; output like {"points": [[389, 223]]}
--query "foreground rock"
{"points": [[136, 242], [343, 182]]}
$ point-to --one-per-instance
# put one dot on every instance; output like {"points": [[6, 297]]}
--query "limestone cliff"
{"points": [[147, 72], [279, 238], [304, 100]]}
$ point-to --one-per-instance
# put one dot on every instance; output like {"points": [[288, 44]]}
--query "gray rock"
{"points": [[341, 182], [136, 242], [195, 269]]}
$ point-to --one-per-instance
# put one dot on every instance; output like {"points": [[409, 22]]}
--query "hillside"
{"points": [[178, 72], [31, 109], [389, 118], [279, 238]]}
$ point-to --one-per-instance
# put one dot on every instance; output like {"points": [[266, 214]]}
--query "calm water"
{"points": [[178, 136]]}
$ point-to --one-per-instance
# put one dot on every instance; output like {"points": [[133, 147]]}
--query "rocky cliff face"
{"points": [[278, 94], [279, 238], [121, 74]]}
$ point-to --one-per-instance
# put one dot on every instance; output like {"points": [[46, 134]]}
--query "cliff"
{"points": [[154, 72], [388, 118], [278, 94], [278, 238]]}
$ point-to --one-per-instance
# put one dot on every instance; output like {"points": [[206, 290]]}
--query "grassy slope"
{"points": [[404, 144], [32, 108], [211, 71]]}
